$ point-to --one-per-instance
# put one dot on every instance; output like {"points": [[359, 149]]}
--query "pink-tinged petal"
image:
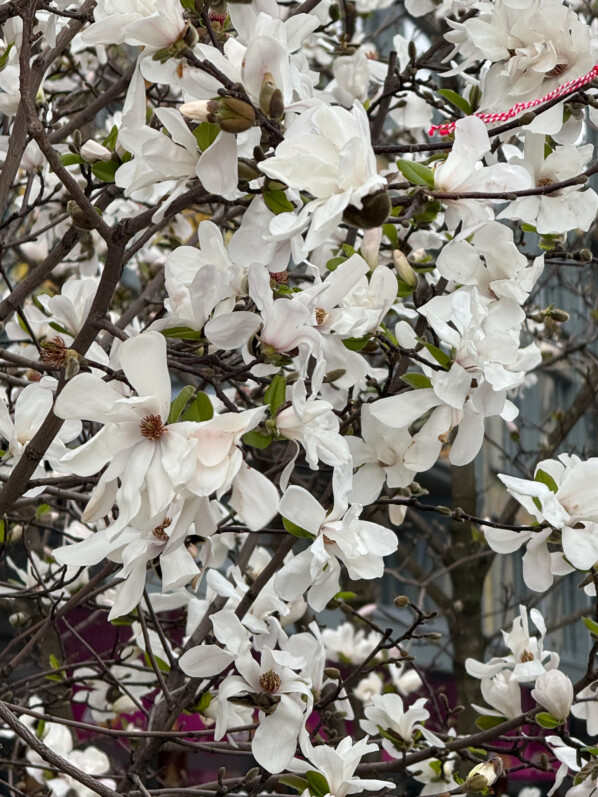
{"points": [[281, 727], [300, 507], [87, 397], [143, 360], [254, 499], [204, 661]]}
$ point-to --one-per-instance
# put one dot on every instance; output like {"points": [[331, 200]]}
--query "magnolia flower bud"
{"points": [[229, 113], [199, 110], [271, 101], [370, 246], [484, 775], [554, 691], [404, 270], [401, 600], [79, 217], [91, 151], [374, 211], [233, 115]]}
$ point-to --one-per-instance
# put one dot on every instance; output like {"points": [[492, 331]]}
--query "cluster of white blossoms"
{"points": [[316, 324]]}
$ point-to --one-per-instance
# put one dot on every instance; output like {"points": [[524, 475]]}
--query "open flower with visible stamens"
{"points": [[144, 455]]}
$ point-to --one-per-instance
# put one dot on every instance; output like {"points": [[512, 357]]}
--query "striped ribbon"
{"points": [[569, 87]]}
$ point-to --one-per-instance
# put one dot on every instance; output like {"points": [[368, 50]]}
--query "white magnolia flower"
{"points": [[326, 152], [387, 712], [463, 171], [554, 691], [135, 546], [492, 263], [360, 545], [527, 659], [147, 458], [560, 496], [90, 760], [587, 708], [503, 693], [32, 407], [562, 210], [346, 645], [338, 765], [275, 741]]}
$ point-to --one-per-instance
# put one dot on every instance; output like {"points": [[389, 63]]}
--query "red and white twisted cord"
{"points": [[569, 87]]}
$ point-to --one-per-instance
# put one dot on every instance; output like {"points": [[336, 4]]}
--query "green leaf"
{"points": [[334, 263], [200, 409], [527, 227], [348, 250], [546, 720], [54, 677], [41, 725], [277, 201], [54, 663], [110, 141], [390, 230], [418, 381], [294, 782], [105, 170], [58, 328], [203, 703], [404, 289], [436, 767], [2, 531], [318, 785], [42, 509], [296, 530], [545, 478], [355, 344], [162, 666], [416, 173], [127, 620], [591, 625], [456, 100], [276, 393], [486, 722], [188, 5], [205, 134], [345, 596], [179, 404], [184, 333], [70, 158], [257, 439], [5, 55], [441, 357]]}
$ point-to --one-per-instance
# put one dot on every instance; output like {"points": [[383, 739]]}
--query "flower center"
{"points": [[159, 530], [527, 656], [557, 70], [270, 682], [152, 427], [54, 352], [543, 181], [321, 315]]}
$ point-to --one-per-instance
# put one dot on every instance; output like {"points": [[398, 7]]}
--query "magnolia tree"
{"points": [[266, 265]]}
